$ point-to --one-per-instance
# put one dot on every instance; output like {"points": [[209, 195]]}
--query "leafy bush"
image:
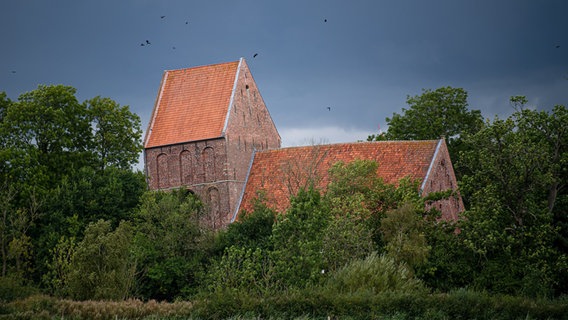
{"points": [[297, 240], [403, 231], [241, 270], [12, 288], [170, 245], [252, 230], [375, 274], [345, 239], [102, 266]]}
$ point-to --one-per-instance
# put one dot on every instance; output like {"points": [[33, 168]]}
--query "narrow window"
{"points": [[213, 200], [208, 158], [186, 168], [162, 172]]}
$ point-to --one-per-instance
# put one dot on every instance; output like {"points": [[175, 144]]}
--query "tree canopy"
{"points": [[435, 114], [76, 221], [63, 165]]}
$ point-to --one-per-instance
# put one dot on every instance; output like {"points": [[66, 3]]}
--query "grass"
{"points": [[304, 305]]}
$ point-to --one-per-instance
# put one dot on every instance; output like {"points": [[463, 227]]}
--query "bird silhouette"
{"points": [[142, 44], [174, 48], [148, 42], [557, 47], [328, 108], [254, 55], [187, 22], [13, 71], [162, 17], [324, 20]]}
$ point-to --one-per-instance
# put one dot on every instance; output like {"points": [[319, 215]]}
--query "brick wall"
{"points": [[442, 178], [250, 127], [216, 169], [200, 166]]}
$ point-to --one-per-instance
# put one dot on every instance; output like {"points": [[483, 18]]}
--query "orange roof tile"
{"points": [[192, 104], [281, 172]]}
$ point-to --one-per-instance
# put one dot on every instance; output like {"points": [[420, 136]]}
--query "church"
{"points": [[211, 132]]}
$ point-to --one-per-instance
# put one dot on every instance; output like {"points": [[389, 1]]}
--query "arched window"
{"points": [[163, 172], [208, 158], [186, 168], [213, 199]]}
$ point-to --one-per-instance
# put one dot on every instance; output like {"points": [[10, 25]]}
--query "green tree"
{"points": [[170, 244], [517, 173], [404, 233], [240, 270], [7, 193], [60, 158], [345, 239], [451, 263], [102, 266], [111, 194], [356, 192], [252, 230], [4, 103], [297, 240], [435, 114], [117, 133], [59, 268], [50, 124], [242, 261], [48, 134]]}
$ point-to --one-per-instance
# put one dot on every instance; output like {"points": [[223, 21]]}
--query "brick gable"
{"points": [[206, 123], [211, 133]]}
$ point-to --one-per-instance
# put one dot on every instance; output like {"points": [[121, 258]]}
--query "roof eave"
{"points": [[432, 163], [183, 142], [155, 109], [238, 206], [232, 98]]}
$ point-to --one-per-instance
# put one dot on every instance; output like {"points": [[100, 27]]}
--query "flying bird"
{"points": [[187, 22], [324, 20], [254, 55], [328, 108], [174, 48], [557, 47], [162, 17], [142, 44], [13, 71], [148, 42]]}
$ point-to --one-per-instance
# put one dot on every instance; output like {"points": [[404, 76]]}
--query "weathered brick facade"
{"points": [[215, 168], [211, 133], [281, 172], [441, 177]]}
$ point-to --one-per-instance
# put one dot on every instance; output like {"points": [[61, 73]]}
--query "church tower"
{"points": [[206, 123]]}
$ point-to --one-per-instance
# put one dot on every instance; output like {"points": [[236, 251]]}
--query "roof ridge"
{"points": [[203, 66], [349, 143]]}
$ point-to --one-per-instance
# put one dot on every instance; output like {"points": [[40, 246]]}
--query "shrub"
{"points": [[102, 266], [345, 239], [12, 288], [374, 274], [241, 270]]}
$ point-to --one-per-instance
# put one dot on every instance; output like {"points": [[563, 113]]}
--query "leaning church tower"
{"points": [[206, 123]]}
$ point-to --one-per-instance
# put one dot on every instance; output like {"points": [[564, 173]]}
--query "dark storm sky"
{"points": [[362, 62]]}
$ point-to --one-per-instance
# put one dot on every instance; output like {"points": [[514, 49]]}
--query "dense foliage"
{"points": [[63, 165], [76, 222]]}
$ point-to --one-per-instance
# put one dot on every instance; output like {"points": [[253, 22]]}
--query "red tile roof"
{"points": [[281, 172], [192, 104]]}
